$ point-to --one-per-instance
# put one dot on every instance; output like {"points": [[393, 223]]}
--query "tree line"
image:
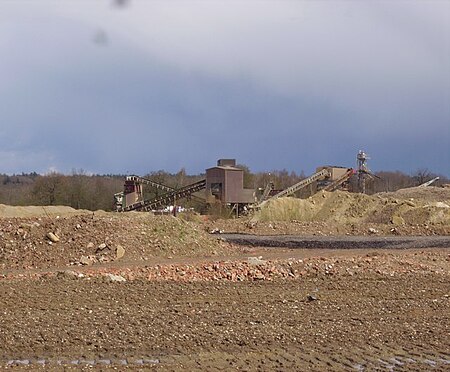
{"points": [[93, 192]]}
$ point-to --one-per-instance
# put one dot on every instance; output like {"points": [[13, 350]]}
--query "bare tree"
{"points": [[50, 190], [422, 175]]}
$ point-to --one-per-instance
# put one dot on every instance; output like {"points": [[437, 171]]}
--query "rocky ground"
{"points": [[133, 291], [359, 322]]}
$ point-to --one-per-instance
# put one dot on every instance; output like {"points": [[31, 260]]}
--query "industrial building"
{"points": [[225, 183]]}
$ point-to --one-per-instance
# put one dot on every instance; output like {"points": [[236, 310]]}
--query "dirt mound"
{"points": [[91, 239], [428, 194], [410, 207], [9, 211]]}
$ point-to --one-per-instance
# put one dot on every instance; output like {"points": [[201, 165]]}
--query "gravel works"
{"points": [[83, 290]]}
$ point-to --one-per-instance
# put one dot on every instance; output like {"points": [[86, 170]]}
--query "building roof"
{"points": [[225, 167]]}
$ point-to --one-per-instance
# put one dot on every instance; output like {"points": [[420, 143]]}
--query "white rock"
{"points": [[255, 261], [53, 237], [69, 274], [441, 205], [120, 252], [86, 260], [115, 278]]}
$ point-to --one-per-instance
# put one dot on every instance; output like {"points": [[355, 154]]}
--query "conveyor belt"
{"points": [[168, 198], [140, 179], [298, 186], [335, 184], [267, 190]]}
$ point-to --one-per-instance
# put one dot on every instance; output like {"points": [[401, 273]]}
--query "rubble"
{"points": [[23, 241], [373, 263]]}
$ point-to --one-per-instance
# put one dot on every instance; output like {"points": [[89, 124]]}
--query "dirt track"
{"points": [[343, 242], [390, 312]]}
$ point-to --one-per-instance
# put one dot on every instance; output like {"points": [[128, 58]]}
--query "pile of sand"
{"points": [[412, 206], [9, 211]]}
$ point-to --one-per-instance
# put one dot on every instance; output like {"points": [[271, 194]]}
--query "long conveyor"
{"points": [[168, 198]]}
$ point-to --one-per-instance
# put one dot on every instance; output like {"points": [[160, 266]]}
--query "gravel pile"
{"points": [[44, 242], [428, 209]]}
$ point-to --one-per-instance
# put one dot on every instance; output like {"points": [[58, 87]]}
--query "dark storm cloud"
{"points": [[293, 86]]}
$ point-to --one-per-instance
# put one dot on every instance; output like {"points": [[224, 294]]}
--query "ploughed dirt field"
{"points": [[83, 290]]}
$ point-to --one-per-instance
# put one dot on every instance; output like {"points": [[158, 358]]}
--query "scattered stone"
{"points": [[251, 224], [86, 260], [256, 261], [120, 252], [53, 237], [441, 205], [216, 231], [311, 298], [90, 245], [29, 225], [69, 274], [102, 249], [373, 231], [115, 278], [259, 276]]}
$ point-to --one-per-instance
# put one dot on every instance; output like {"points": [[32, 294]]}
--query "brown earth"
{"points": [[24, 243], [376, 311], [183, 299]]}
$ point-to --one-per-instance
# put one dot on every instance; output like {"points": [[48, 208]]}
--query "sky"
{"points": [[135, 86]]}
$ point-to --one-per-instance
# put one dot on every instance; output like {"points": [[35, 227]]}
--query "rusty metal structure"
{"points": [[362, 170], [224, 185], [340, 181], [132, 192], [331, 179], [297, 187], [131, 199], [337, 179]]}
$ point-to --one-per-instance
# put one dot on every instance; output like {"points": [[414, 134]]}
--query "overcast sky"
{"points": [[151, 85]]}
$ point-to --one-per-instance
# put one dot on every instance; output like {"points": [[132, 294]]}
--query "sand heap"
{"points": [[413, 206], [9, 211]]}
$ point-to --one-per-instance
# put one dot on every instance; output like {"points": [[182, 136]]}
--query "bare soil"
{"points": [[360, 322], [334, 295]]}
